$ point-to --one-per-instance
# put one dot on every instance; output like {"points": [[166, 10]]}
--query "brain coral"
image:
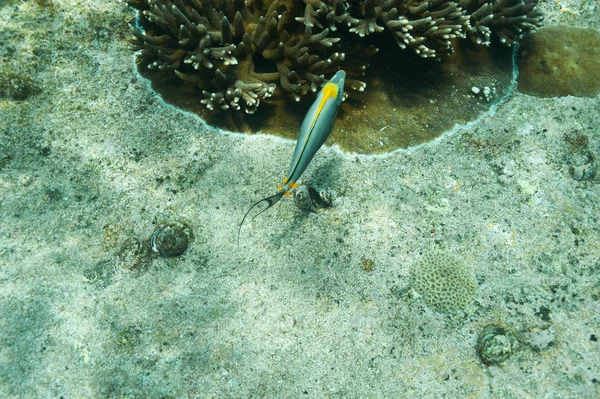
{"points": [[445, 282], [237, 53]]}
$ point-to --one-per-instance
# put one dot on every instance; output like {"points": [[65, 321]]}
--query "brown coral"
{"points": [[237, 53], [566, 56], [224, 40]]}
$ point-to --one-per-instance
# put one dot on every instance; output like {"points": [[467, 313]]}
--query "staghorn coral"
{"points": [[223, 40], [237, 53]]}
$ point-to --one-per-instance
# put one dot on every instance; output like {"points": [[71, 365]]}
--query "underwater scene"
{"points": [[299, 199]]}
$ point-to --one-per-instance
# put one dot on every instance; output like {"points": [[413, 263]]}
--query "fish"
{"points": [[315, 129]]}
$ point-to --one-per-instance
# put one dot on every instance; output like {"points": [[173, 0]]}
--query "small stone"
{"points": [[578, 172], [487, 93], [26, 180], [495, 344], [310, 200], [583, 167], [541, 338], [475, 90], [132, 254], [171, 239]]}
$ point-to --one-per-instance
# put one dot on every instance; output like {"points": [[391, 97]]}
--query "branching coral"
{"points": [[238, 52]]}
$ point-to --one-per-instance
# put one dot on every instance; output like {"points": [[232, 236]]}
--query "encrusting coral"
{"points": [[567, 56], [239, 52]]}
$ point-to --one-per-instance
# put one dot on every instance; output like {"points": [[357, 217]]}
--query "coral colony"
{"points": [[445, 281], [239, 52]]}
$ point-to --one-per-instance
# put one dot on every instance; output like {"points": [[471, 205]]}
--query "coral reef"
{"points": [[568, 57], [445, 282], [237, 53]]}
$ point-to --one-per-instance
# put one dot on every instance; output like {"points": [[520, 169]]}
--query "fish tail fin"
{"points": [[270, 201]]}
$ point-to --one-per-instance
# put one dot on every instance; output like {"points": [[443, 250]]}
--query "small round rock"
{"points": [[310, 200], [495, 344], [171, 239]]}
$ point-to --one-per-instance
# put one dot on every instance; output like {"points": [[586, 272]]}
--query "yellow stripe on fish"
{"points": [[330, 91], [315, 129]]}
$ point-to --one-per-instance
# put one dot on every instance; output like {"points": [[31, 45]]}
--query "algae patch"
{"points": [[560, 61]]}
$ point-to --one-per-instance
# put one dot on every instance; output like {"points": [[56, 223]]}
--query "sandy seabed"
{"points": [[310, 305]]}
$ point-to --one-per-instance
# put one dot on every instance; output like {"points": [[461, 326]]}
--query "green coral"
{"points": [[445, 282]]}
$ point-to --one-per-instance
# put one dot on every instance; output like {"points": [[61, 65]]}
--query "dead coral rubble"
{"points": [[237, 52]]}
